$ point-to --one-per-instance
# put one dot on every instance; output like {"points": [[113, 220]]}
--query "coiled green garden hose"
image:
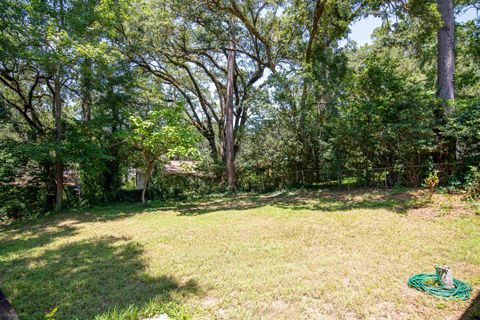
{"points": [[430, 283]]}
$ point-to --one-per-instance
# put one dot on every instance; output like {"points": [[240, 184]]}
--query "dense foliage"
{"points": [[96, 89]]}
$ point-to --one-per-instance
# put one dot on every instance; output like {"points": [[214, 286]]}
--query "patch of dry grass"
{"points": [[299, 255]]}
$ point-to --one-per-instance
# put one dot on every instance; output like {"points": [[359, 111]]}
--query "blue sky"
{"points": [[362, 30]]}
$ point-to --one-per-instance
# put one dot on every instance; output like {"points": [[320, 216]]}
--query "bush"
{"points": [[171, 185], [258, 180], [22, 187], [17, 203], [472, 183], [432, 180], [128, 195]]}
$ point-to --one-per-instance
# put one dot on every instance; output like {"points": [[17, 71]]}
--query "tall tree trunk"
{"points": [[229, 140], [86, 89], [446, 72], [304, 136], [50, 186], [112, 172], [57, 103], [58, 139], [446, 54]]}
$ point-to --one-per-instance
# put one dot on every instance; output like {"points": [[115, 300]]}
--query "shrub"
{"points": [[432, 180], [472, 183], [17, 203]]}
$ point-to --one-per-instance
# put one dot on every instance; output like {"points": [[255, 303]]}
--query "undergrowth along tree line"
{"points": [[257, 95]]}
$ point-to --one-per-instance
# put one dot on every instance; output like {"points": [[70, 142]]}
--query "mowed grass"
{"points": [[287, 255]]}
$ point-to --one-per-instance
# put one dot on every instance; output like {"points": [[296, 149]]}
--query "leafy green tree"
{"points": [[188, 53], [47, 49], [388, 121], [163, 134]]}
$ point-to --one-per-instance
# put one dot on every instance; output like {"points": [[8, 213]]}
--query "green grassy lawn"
{"points": [[297, 255]]}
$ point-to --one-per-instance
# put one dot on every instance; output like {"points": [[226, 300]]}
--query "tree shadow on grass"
{"points": [[473, 311], [88, 279], [308, 200], [21, 236], [38, 238], [318, 200], [74, 216]]}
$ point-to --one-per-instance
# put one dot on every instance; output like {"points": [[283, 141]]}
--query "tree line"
{"points": [[250, 90]]}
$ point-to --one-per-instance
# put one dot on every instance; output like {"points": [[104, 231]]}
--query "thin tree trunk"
{"points": [[446, 54], [300, 123], [86, 90], [86, 113], [58, 139], [57, 101], [213, 147], [50, 185], [112, 173], [229, 142], [147, 178]]}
